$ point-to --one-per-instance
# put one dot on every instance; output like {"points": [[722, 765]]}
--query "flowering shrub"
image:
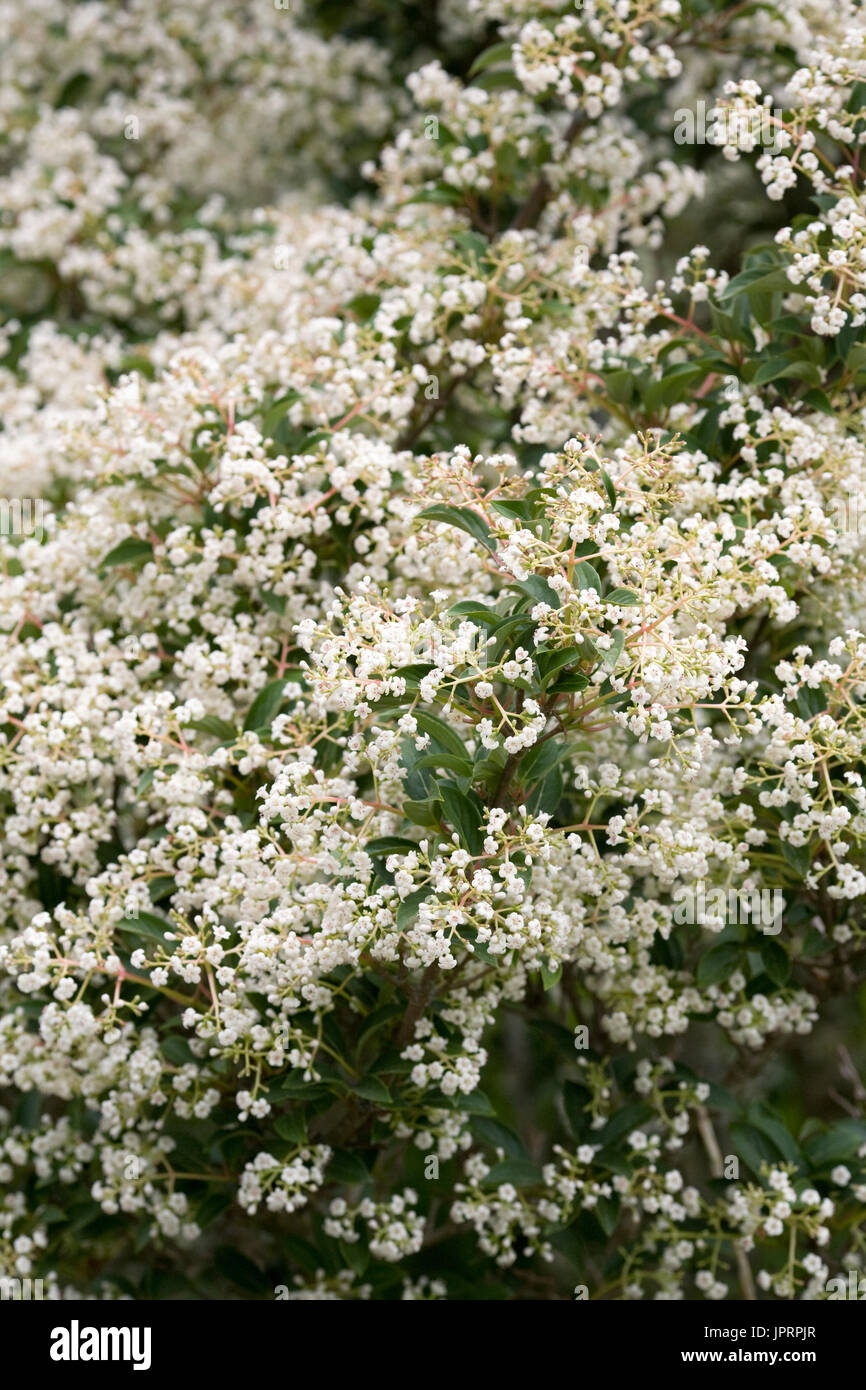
{"points": [[432, 723]]}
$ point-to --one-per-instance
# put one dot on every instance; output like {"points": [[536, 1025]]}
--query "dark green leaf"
{"points": [[798, 856], [462, 766], [497, 1136], [463, 518], [441, 733], [463, 810], [491, 57], [390, 844], [217, 728], [518, 1172], [291, 1128], [265, 706], [408, 909], [129, 552], [238, 1270], [587, 577], [717, 964], [423, 812], [776, 961], [372, 1089]]}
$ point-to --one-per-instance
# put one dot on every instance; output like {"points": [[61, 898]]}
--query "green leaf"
{"points": [[364, 306], [562, 1038], [372, 1089], [857, 100], [491, 81], [475, 612], [210, 1209], [717, 964], [129, 552], [569, 1244], [625, 598], [587, 577], [538, 760], [28, 1109], [776, 961], [815, 943], [623, 1122], [840, 1143], [463, 810], [479, 950], [811, 701], [462, 766], [549, 662], [276, 413], [217, 728], [778, 367], [549, 978], [817, 400], [548, 794], [472, 244], [758, 277], [609, 487], [569, 683], [441, 733], [291, 1128], [497, 1136], [440, 193], [356, 1256], [239, 1270], [464, 519], [177, 1050], [510, 633], [75, 86], [673, 386], [606, 1213], [390, 844], [575, 1100], [620, 386], [476, 1103], [722, 1099], [516, 510], [537, 588], [347, 1167], [519, 1172], [377, 1020], [492, 57], [275, 602], [769, 1124], [408, 909], [265, 706], [614, 651], [301, 1252], [163, 886], [413, 674], [754, 1146], [423, 812], [145, 924], [798, 856]]}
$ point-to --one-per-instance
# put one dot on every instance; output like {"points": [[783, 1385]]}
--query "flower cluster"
{"points": [[448, 565]]}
